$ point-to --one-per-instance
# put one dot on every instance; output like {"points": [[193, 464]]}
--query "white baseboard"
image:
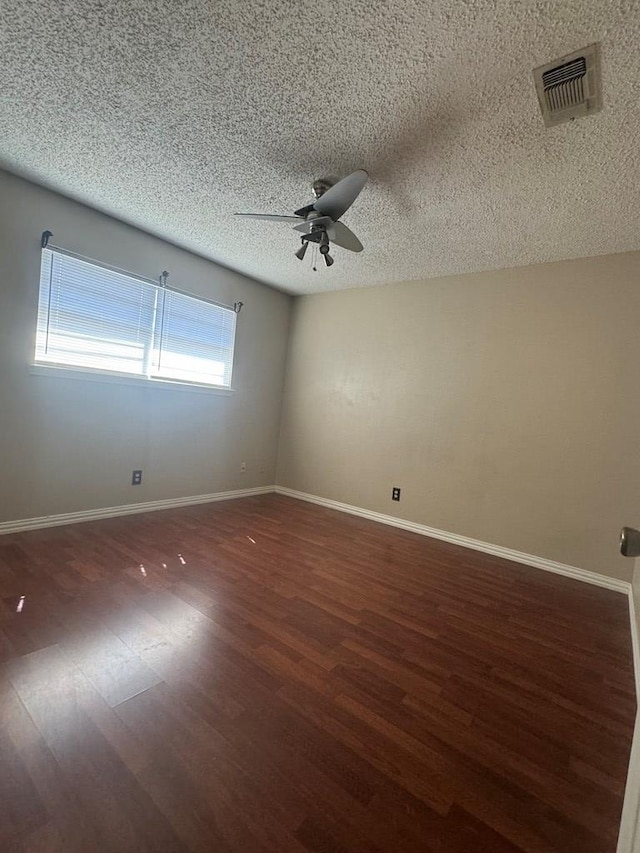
{"points": [[634, 612], [628, 838], [629, 835], [126, 509], [465, 542]]}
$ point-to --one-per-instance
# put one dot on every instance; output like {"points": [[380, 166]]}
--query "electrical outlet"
{"points": [[243, 467], [136, 477], [395, 493]]}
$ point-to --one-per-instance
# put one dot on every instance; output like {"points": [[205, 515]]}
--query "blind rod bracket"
{"points": [[237, 307], [44, 239]]}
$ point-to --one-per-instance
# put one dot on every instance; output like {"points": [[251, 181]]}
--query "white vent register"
{"points": [[570, 87]]}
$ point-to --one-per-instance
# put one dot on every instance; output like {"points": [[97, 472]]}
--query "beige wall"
{"points": [[70, 444], [506, 405]]}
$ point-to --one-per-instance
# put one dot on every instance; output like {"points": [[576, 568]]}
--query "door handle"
{"points": [[630, 542]]}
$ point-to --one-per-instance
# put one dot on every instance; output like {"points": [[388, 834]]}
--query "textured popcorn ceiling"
{"points": [[173, 115]]}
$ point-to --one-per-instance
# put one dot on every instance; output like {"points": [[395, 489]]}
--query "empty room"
{"points": [[319, 427]]}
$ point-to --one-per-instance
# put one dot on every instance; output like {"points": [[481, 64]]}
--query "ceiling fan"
{"points": [[318, 221]]}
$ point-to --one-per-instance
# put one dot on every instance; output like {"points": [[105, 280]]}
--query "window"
{"points": [[99, 319]]}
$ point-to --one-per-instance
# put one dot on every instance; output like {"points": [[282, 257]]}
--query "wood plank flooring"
{"points": [[268, 676]]}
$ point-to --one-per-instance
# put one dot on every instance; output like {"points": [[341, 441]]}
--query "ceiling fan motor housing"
{"points": [[320, 186]]}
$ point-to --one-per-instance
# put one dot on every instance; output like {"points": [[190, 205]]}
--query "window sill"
{"points": [[124, 379]]}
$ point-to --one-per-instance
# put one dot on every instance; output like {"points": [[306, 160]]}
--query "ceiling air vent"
{"points": [[569, 87]]}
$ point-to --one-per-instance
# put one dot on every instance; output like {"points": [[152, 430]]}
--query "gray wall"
{"points": [[71, 444], [506, 405]]}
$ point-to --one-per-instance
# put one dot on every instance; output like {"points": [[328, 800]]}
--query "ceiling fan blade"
{"points": [[342, 236], [339, 198], [273, 216]]}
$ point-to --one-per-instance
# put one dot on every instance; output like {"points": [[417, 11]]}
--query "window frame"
{"points": [[43, 367]]}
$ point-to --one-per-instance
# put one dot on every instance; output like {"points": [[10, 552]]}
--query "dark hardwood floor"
{"points": [[267, 675]]}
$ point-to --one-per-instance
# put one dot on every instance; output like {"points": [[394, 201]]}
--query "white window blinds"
{"points": [[99, 319], [188, 350]]}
